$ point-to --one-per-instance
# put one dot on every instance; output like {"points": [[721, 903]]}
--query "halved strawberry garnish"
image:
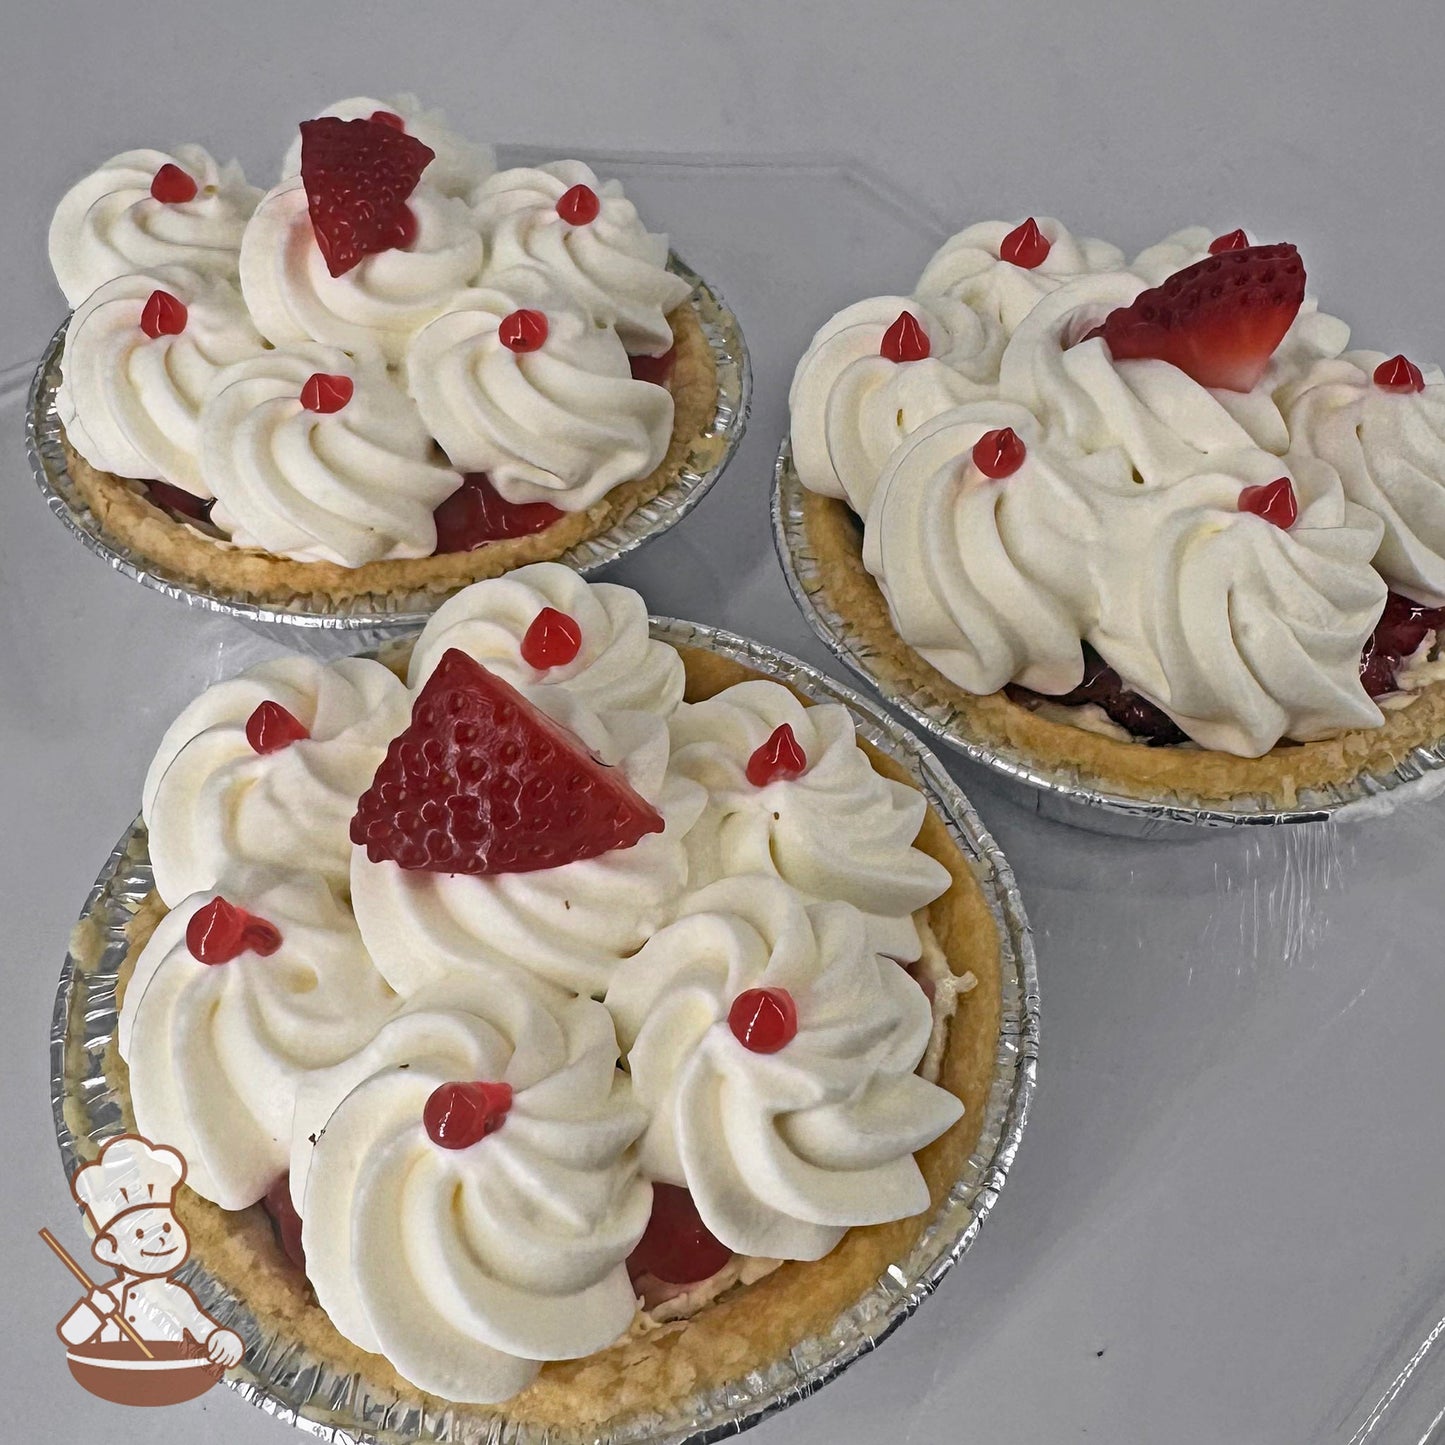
{"points": [[1218, 321], [477, 513], [279, 1206], [483, 782], [358, 175]]}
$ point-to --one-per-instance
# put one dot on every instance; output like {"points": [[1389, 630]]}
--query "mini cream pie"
{"points": [[394, 372], [578, 1024], [1150, 524]]}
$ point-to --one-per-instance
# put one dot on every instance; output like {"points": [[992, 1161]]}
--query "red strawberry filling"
{"points": [[482, 782], [677, 1247], [458, 1115], [656, 369], [477, 513], [1104, 688], [358, 175], [219, 931], [285, 1220], [1402, 627], [177, 499], [1218, 321]]}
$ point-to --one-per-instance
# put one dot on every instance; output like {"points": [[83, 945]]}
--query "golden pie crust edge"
{"points": [[1190, 775], [655, 1371], [157, 540]]}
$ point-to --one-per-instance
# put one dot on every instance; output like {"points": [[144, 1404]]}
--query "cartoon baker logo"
{"points": [[139, 1338]]}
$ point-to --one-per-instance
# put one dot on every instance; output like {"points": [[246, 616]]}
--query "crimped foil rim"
{"points": [[381, 613], [1363, 795], [277, 1376]]}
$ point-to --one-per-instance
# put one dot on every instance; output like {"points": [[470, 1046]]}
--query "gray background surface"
{"points": [[1224, 1223]]}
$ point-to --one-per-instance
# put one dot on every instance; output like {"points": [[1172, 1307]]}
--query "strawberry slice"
{"points": [[1218, 321], [358, 175], [482, 782]]}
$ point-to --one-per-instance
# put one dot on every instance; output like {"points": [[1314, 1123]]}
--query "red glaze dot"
{"points": [[553, 640], [1398, 374], [271, 728], [279, 1206], [325, 392], [387, 117], [905, 340], [677, 1247], [1230, 241], [460, 1115], [172, 185], [579, 205], [778, 759], [524, 330], [764, 1020], [1025, 245], [1274, 501], [477, 513], [656, 369], [163, 315], [998, 454], [220, 931]]}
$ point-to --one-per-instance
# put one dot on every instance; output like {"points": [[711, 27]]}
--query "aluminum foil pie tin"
{"points": [[1060, 794], [278, 1375], [370, 619]]}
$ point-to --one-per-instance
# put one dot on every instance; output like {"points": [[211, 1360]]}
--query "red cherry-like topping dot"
{"points": [[271, 728], [387, 117], [764, 1020], [1025, 245], [278, 1204], [326, 392], [172, 185], [579, 205], [163, 315], [656, 369], [999, 453], [778, 759], [1398, 374], [220, 931], [524, 330], [460, 1115], [1230, 241], [905, 340], [553, 640], [676, 1247], [1274, 501]]}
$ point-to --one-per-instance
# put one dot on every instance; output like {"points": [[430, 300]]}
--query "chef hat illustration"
{"points": [[129, 1173]]}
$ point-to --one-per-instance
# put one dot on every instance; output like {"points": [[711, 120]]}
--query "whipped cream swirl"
{"points": [[466, 1267], [1389, 449], [379, 304], [110, 225], [564, 423], [212, 803], [570, 925], [612, 265], [785, 1151], [840, 831], [852, 406], [460, 165], [351, 486], [968, 267], [131, 403], [216, 1051], [618, 664]]}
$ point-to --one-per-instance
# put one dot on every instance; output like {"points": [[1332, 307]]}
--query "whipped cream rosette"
{"points": [[517, 382], [265, 769], [876, 371], [775, 1051], [472, 1192], [790, 793], [142, 353], [543, 625], [587, 237], [1380, 422], [236, 997], [149, 208], [375, 307], [458, 166], [318, 456], [1002, 271]]}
